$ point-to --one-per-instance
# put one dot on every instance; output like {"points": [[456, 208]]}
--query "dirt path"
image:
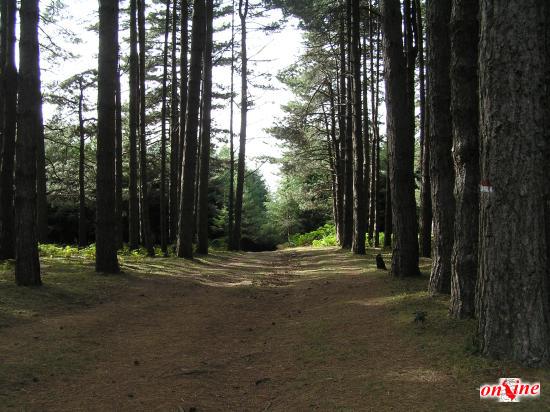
{"points": [[281, 331]]}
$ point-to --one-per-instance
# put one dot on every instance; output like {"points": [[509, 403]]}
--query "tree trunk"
{"points": [[174, 131], [345, 41], [231, 195], [187, 201], [374, 146], [338, 177], [118, 160], [410, 54], [332, 165], [465, 115], [401, 146], [360, 209], [204, 174], [82, 222], [106, 247], [241, 166], [441, 163], [7, 159], [41, 196], [513, 302], [343, 234], [348, 197], [133, 196], [163, 210], [376, 131], [27, 264], [198, 163], [184, 73], [369, 149], [425, 189], [3, 54], [426, 194], [388, 218], [330, 141], [145, 220]]}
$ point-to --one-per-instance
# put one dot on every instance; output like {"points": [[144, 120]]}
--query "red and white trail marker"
{"points": [[486, 187]]}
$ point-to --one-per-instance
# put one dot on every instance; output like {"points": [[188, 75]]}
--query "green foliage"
{"points": [[255, 198], [381, 238], [329, 240], [59, 251], [88, 252], [324, 236], [258, 223]]}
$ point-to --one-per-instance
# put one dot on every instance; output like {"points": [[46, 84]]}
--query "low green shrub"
{"points": [[88, 252], [329, 240], [307, 239], [68, 251]]}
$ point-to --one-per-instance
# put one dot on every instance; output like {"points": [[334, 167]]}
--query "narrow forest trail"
{"points": [[294, 330]]}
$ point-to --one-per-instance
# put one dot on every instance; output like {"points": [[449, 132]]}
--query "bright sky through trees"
{"points": [[269, 53]]}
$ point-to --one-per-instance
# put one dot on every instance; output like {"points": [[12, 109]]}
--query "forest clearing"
{"points": [[298, 329]]}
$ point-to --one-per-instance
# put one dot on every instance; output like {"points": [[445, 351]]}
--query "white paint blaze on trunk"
{"points": [[513, 287]]}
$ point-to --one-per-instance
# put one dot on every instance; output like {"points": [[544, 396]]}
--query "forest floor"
{"points": [[292, 330]]}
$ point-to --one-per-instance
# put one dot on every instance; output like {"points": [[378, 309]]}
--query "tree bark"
{"points": [[133, 196], [3, 54], [411, 51], [174, 131], [425, 189], [106, 247], [82, 222], [401, 145], [241, 166], [7, 159], [41, 190], [163, 210], [204, 174], [145, 219], [343, 234], [27, 264], [388, 218], [441, 163], [360, 209], [186, 224], [348, 169], [513, 302], [119, 174], [376, 130], [370, 144], [231, 195], [198, 163], [184, 88], [465, 115], [336, 153]]}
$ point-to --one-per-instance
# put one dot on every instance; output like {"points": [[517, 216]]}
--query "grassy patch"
{"points": [[450, 344], [66, 285]]}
